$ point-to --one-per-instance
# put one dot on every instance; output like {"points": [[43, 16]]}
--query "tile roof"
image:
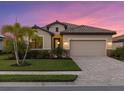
{"points": [[68, 25], [79, 29], [83, 29], [1, 36], [118, 38], [37, 27]]}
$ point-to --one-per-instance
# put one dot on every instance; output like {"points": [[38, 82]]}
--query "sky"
{"points": [[103, 14]]}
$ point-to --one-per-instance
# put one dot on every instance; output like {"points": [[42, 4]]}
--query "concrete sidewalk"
{"points": [[39, 72]]}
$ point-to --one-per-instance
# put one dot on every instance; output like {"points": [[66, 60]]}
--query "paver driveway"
{"points": [[100, 71]]}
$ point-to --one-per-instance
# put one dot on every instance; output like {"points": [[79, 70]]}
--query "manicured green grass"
{"points": [[40, 65], [37, 78]]}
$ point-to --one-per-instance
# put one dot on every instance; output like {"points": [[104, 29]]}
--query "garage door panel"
{"points": [[87, 48]]}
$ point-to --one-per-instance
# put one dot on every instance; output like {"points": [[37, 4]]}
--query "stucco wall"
{"points": [[52, 28], [67, 38], [1, 45], [116, 45], [46, 39]]}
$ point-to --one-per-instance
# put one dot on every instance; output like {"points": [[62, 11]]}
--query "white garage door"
{"points": [[87, 48]]}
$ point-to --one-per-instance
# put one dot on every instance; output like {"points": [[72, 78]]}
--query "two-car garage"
{"points": [[87, 47], [87, 41]]}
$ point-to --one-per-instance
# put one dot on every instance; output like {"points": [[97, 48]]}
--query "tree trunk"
{"points": [[16, 53], [26, 51]]}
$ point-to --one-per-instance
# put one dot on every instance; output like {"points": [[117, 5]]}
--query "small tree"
{"points": [[13, 31], [19, 35]]}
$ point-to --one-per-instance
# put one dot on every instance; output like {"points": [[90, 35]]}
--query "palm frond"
{"points": [[17, 26], [7, 28]]}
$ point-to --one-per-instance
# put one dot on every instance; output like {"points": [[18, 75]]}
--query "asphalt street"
{"points": [[62, 88]]}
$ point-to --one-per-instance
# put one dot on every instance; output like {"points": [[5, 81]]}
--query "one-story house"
{"points": [[1, 42], [118, 41], [79, 40]]}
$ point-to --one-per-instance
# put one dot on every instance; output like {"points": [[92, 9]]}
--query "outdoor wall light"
{"points": [[58, 43], [109, 43], [66, 45]]}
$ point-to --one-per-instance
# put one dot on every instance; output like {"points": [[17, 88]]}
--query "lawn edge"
{"points": [[50, 79]]}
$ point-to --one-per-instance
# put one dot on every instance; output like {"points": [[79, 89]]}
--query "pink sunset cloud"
{"points": [[109, 15]]}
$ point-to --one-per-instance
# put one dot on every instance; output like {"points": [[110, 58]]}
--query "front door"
{"points": [[56, 42]]}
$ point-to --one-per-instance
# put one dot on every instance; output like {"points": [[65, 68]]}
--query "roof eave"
{"points": [[56, 23], [37, 27], [81, 33]]}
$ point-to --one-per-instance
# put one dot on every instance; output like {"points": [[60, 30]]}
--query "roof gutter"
{"points": [[87, 33]]}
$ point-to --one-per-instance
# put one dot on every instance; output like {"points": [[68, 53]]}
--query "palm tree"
{"points": [[13, 32], [19, 34]]}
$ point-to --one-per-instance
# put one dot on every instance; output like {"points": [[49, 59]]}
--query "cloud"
{"points": [[100, 14]]}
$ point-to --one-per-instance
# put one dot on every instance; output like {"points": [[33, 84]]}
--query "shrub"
{"points": [[38, 54], [8, 46], [3, 52], [59, 53], [44, 54], [34, 54], [118, 53], [21, 50]]}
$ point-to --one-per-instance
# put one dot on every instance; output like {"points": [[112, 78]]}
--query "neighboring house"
{"points": [[118, 41], [1, 42], [80, 40]]}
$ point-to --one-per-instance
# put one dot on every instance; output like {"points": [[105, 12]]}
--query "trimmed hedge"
{"points": [[44, 54], [38, 54], [118, 53]]}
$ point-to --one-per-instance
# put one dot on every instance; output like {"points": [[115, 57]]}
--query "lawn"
{"points": [[39, 65], [37, 78]]}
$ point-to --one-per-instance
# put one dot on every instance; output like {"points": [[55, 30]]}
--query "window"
{"points": [[37, 42], [57, 29], [47, 28]]}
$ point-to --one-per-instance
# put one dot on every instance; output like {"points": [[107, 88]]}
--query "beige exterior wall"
{"points": [[53, 28], [67, 38], [46, 39], [117, 45], [1, 45]]}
